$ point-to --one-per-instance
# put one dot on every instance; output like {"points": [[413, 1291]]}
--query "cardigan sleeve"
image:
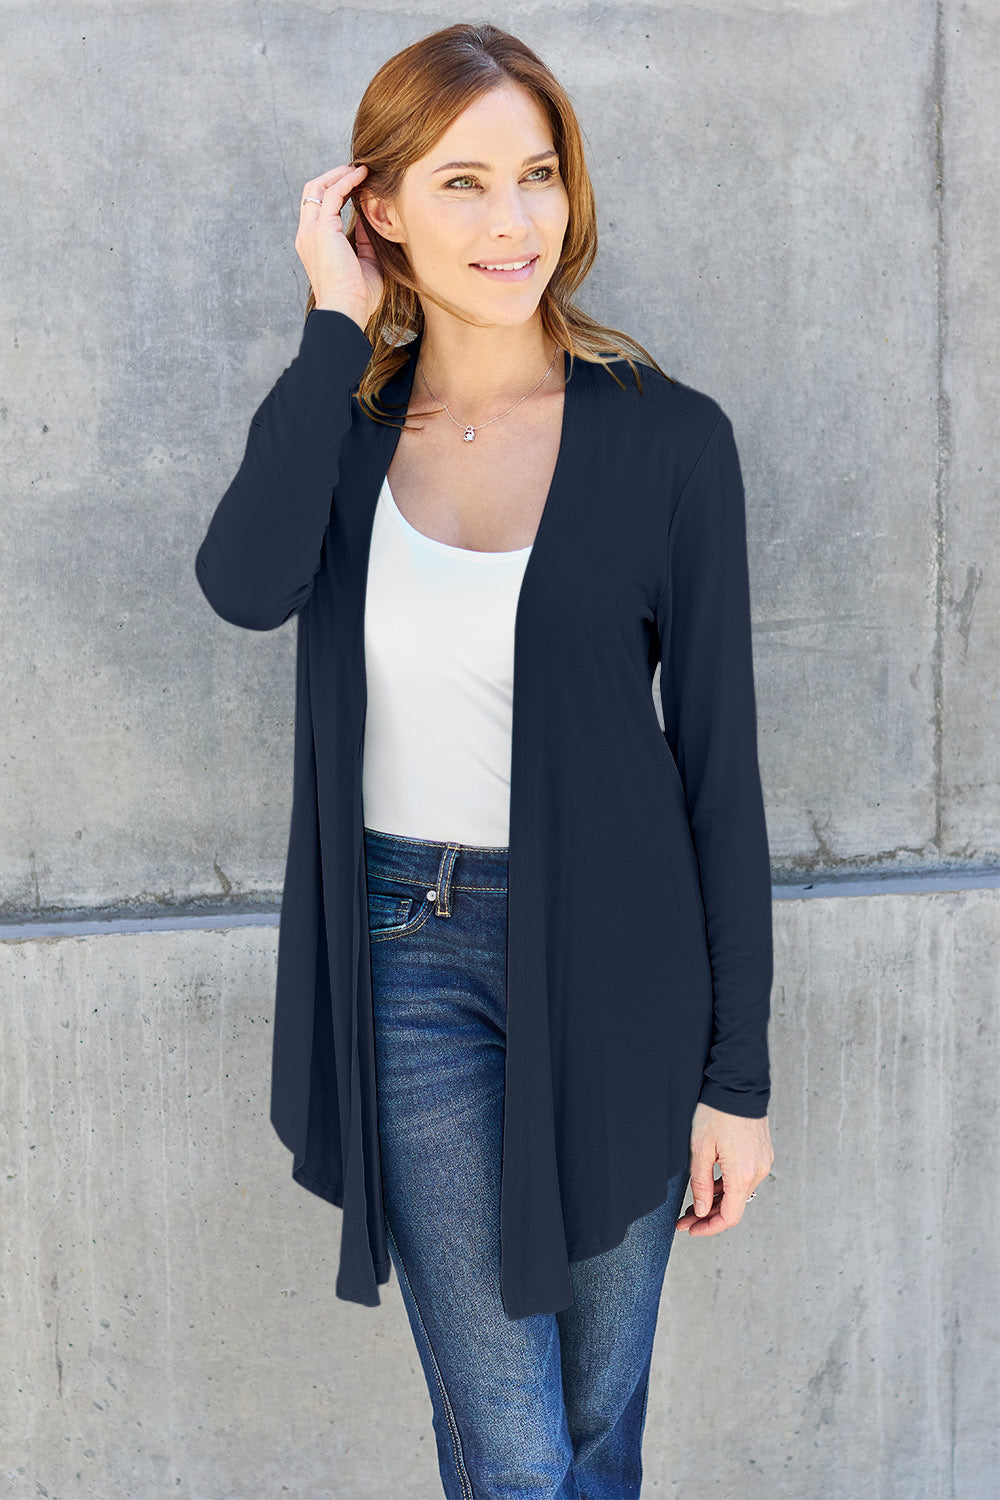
{"points": [[710, 723], [261, 552]]}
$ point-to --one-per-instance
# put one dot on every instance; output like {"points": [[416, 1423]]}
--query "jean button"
{"points": [[432, 895]]}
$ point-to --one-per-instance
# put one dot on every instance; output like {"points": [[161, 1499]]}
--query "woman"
{"points": [[524, 960]]}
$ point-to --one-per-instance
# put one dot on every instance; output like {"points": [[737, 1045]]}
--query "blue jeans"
{"points": [[552, 1405]]}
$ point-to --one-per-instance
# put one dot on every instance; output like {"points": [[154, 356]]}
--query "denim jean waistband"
{"points": [[436, 863]]}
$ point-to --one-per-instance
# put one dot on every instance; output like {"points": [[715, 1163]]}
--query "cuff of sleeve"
{"points": [[326, 327], [748, 1106]]}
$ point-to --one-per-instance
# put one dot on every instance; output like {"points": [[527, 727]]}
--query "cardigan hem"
{"points": [[609, 1240], [526, 1306], [316, 1183]]}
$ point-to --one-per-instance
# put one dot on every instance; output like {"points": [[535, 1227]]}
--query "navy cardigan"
{"points": [[639, 937]]}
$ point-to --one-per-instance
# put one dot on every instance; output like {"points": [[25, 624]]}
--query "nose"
{"points": [[508, 212]]}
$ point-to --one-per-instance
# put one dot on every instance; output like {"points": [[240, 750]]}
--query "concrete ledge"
{"points": [[169, 1324]]}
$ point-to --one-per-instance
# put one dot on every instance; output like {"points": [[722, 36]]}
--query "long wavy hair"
{"points": [[408, 105]]}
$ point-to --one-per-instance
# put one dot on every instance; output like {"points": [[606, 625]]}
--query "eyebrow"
{"points": [[484, 166]]}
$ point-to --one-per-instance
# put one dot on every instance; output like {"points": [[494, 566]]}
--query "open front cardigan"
{"points": [[639, 942]]}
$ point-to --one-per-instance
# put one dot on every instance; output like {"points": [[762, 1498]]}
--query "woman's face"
{"points": [[451, 215]]}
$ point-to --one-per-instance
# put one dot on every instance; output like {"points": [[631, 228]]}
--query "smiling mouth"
{"points": [[506, 264], [522, 271]]}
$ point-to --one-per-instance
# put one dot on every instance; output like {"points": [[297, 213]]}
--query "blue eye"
{"points": [[548, 171]]}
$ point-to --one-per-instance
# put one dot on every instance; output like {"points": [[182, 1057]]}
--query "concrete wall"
{"points": [[799, 213]]}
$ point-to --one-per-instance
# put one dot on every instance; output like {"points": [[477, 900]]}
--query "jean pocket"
{"points": [[392, 912], [388, 911]]}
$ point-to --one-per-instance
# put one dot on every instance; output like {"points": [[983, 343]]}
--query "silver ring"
{"points": [[752, 1195], [313, 200]]}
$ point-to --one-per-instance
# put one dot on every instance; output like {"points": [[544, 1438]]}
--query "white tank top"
{"points": [[439, 657]]}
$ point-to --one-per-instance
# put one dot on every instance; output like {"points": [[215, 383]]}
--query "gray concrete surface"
{"points": [[170, 1324], [799, 214]]}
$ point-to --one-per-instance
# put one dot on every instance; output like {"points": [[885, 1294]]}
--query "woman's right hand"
{"points": [[340, 279]]}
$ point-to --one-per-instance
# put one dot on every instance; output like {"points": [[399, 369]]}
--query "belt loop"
{"points": [[442, 907]]}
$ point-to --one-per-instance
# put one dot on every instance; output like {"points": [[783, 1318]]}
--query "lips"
{"points": [[522, 275], [481, 265]]}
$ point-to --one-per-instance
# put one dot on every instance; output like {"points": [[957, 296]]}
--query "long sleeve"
{"points": [[259, 557], [710, 723]]}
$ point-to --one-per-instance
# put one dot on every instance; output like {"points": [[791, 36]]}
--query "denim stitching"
{"points": [[382, 934], [398, 905], [456, 885], [456, 1441], [442, 907]]}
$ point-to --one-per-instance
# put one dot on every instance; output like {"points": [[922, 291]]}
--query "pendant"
{"points": [[469, 434]]}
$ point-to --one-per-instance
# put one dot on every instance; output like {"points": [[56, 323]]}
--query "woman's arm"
{"points": [[710, 723], [260, 555]]}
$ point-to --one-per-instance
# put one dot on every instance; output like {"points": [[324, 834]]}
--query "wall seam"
{"points": [[943, 431]]}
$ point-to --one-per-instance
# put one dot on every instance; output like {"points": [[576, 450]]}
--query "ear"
{"points": [[379, 215]]}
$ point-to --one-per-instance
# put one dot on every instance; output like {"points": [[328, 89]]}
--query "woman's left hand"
{"points": [[743, 1150]]}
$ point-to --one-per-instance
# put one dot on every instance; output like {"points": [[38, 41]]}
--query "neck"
{"points": [[477, 371]]}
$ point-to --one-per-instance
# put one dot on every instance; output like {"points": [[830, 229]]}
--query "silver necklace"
{"points": [[469, 433]]}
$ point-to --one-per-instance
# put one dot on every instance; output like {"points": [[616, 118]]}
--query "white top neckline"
{"points": [[435, 545]]}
